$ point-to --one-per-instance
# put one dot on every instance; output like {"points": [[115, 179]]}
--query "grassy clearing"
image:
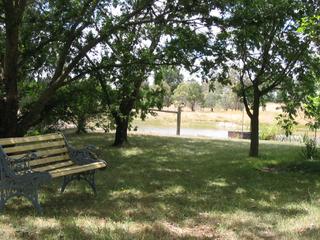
{"points": [[176, 188]]}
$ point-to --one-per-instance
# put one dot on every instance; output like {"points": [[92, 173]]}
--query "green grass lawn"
{"points": [[179, 188]]}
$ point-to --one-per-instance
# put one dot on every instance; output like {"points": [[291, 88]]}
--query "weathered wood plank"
{"points": [[76, 169], [49, 160], [11, 141], [53, 166], [33, 147], [45, 153]]}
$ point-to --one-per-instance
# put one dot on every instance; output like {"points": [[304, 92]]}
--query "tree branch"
{"points": [[244, 95], [265, 51], [285, 71]]}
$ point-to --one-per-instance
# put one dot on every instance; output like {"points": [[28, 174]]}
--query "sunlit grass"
{"points": [[178, 188]]}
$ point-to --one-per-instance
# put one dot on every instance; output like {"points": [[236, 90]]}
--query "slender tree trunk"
{"points": [[121, 136], [193, 107], [81, 124], [254, 125]]}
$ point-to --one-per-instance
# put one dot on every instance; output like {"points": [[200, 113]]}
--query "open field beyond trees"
{"points": [[179, 188], [221, 119]]}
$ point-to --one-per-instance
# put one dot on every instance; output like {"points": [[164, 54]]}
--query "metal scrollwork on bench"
{"points": [[82, 157], [17, 179], [86, 176]]}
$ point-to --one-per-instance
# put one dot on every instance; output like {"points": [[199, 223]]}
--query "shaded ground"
{"points": [[176, 188]]}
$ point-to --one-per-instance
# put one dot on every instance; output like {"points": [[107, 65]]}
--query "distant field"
{"points": [[218, 119]]}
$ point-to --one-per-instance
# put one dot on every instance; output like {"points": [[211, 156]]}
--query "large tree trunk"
{"points": [[9, 103], [121, 136], [254, 125]]}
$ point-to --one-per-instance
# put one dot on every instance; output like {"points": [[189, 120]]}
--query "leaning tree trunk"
{"points": [[254, 125], [121, 136], [122, 117]]}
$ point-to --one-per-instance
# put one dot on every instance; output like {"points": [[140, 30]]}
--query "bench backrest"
{"points": [[50, 149]]}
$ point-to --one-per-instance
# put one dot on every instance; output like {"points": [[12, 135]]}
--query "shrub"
{"points": [[268, 133], [310, 150]]}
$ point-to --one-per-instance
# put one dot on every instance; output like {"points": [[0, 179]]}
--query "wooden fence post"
{"points": [[178, 120]]}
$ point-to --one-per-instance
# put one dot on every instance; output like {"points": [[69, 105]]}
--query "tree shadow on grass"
{"points": [[174, 182], [306, 167], [310, 233], [156, 231]]}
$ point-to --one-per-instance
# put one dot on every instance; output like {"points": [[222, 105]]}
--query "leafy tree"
{"points": [[46, 42], [311, 26], [188, 93], [211, 98], [312, 111], [78, 103], [221, 96], [171, 78], [137, 52], [212, 94], [308, 96], [124, 86], [260, 42], [167, 98]]}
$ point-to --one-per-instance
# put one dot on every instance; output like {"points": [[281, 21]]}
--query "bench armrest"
{"points": [[22, 165], [11, 167], [83, 156]]}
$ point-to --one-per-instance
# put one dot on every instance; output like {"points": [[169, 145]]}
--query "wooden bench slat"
{"points": [[76, 169], [49, 160], [53, 166], [34, 146], [11, 141], [42, 153]]}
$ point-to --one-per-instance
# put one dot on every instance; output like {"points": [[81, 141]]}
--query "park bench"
{"points": [[28, 162]]}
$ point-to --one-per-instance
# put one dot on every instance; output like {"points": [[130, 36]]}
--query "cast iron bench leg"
{"points": [[89, 177], [30, 194], [2, 200], [33, 196]]}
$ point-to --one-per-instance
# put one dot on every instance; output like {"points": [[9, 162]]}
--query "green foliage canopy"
{"points": [[189, 93], [260, 42]]}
